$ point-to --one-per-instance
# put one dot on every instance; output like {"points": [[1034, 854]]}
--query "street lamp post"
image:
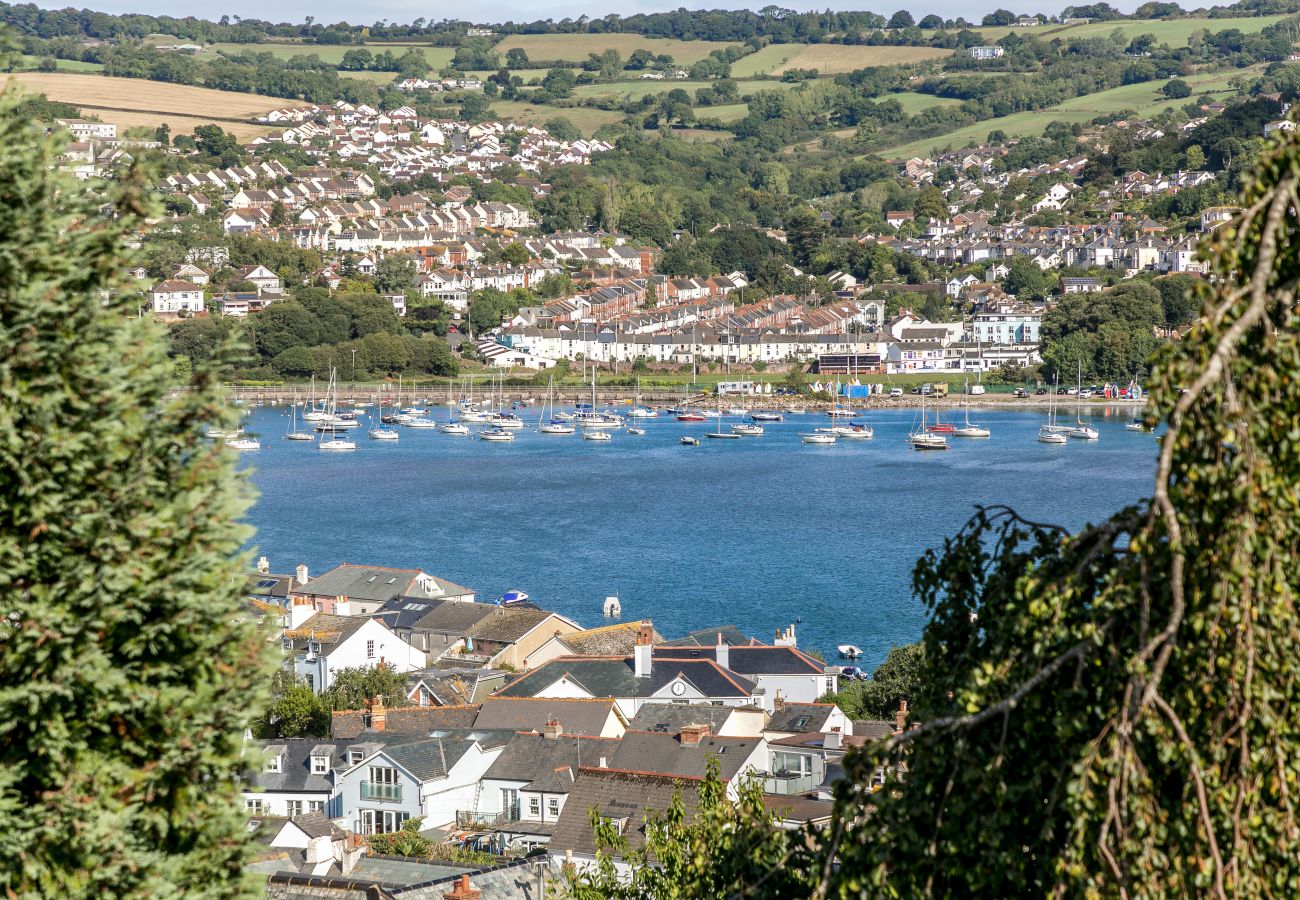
{"points": [[354, 366]]}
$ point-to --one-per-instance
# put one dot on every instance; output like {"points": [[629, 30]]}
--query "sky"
{"points": [[328, 11]]}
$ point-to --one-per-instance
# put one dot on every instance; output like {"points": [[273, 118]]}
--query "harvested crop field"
{"points": [[834, 59], [584, 119], [577, 47], [132, 101], [333, 53]]}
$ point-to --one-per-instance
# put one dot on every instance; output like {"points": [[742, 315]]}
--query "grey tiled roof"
{"points": [[347, 724], [507, 625], [614, 677], [664, 754], [530, 714], [707, 637], [670, 718], [529, 757], [760, 660], [328, 631], [452, 616], [618, 795], [295, 775], [800, 717]]}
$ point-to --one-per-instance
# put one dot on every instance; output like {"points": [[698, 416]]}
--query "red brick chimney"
{"points": [[378, 715], [691, 735], [900, 717], [643, 652], [463, 890]]}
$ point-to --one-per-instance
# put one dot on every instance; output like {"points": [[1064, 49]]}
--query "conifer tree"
{"points": [[125, 678]]}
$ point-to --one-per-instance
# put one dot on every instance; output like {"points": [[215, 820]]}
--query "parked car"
{"points": [[1060, 391], [895, 393], [1040, 392], [927, 388], [976, 389], [1085, 394], [1021, 393], [916, 390]]}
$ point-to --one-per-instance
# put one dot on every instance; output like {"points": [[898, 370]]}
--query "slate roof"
{"points": [[349, 724], [873, 729], [433, 757], [614, 677], [759, 660], [295, 775], [436, 614], [670, 718], [799, 717], [531, 713], [317, 825], [375, 583], [529, 757], [618, 795], [794, 808], [708, 637], [665, 754]]}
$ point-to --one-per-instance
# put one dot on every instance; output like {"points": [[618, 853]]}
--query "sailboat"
{"points": [[639, 411], [313, 413], [552, 425], [294, 434], [925, 439], [243, 443], [967, 429], [333, 444], [1079, 429], [380, 433], [719, 433], [1050, 432]]}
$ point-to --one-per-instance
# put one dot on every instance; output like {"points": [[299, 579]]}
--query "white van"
{"points": [[895, 393]]}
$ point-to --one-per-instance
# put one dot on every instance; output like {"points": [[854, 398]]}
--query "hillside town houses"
{"points": [[516, 722]]}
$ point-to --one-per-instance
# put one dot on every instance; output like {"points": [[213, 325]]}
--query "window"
{"points": [[355, 756], [320, 765], [534, 806], [370, 649], [553, 806], [383, 775], [510, 803], [791, 763], [255, 806], [272, 764], [295, 808], [316, 806], [311, 680], [382, 821]]}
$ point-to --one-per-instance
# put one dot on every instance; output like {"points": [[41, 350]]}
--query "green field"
{"points": [[1174, 32], [333, 53], [1145, 99], [828, 59], [375, 77], [771, 57], [914, 103], [577, 47], [728, 112], [635, 90], [64, 65], [586, 120]]}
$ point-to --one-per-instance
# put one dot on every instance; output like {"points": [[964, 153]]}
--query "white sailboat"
{"points": [[967, 429], [552, 425], [1050, 432], [1079, 429], [922, 438], [334, 444], [818, 437], [719, 434], [243, 444], [313, 413], [379, 432], [638, 411], [294, 434]]}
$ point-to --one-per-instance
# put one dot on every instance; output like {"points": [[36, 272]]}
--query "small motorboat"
{"points": [[848, 651], [796, 411], [218, 434], [1135, 425], [596, 434], [243, 444], [338, 445], [455, 428], [556, 426], [722, 435], [818, 438], [566, 416], [690, 416], [633, 430], [766, 417], [415, 411], [857, 431], [418, 422], [642, 413], [383, 434], [689, 441], [736, 411], [495, 433], [299, 436], [474, 417], [748, 429], [513, 598]]}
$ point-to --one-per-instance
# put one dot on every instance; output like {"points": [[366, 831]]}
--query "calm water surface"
{"points": [[759, 532]]}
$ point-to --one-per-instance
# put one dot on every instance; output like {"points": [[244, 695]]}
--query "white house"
{"points": [[782, 673], [320, 644], [290, 776], [263, 278], [174, 296]]}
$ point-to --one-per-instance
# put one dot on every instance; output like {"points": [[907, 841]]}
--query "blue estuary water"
{"points": [[758, 532]]}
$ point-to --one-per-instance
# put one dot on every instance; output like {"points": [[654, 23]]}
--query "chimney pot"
{"points": [[552, 730], [691, 735], [378, 715], [900, 718]]}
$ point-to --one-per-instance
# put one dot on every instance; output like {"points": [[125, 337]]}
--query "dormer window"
{"points": [[273, 764], [286, 643], [320, 765], [313, 646], [355, 756]]}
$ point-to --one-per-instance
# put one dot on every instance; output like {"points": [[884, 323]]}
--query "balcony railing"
{"points": [[386, 793], [788, 783], [467, 818]]}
